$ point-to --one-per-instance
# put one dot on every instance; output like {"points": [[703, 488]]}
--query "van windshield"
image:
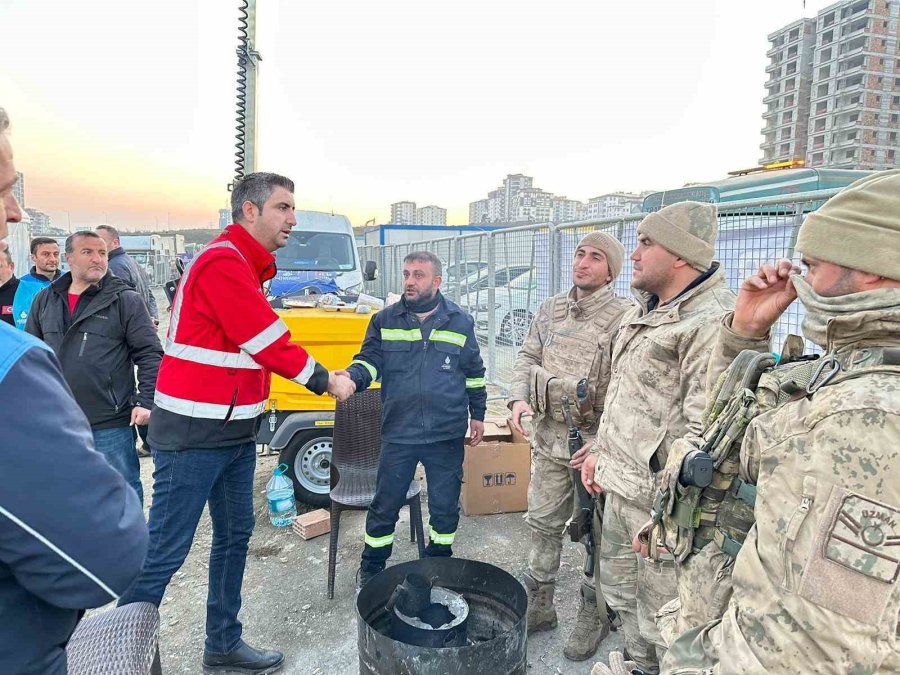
{"points": [[319, 251]]}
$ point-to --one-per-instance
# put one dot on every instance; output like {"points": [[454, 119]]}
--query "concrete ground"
{"points": [[285, 604], [284, 599]]}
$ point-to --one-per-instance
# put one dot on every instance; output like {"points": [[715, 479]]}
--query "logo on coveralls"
{"points": [[446, 365]]}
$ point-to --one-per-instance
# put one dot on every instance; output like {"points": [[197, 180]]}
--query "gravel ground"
{"points": [[284, 601]]}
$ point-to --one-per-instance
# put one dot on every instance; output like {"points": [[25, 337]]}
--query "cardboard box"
{"points": [[496, 472]]}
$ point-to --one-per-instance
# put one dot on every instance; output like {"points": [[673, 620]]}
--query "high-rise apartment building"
{"points": [[478, 211], [787, 92], [530, 204], [612, 205], [403, 213], [565, 210], [18, 189], [41, 223], [852, 103], [431, 215], [224, 218]]}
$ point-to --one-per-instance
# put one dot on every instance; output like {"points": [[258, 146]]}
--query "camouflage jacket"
{"points": [[657, 391], [567, 335], [814, 586]]}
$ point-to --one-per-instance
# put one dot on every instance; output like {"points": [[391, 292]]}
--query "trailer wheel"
{"points": [[309, 457]]}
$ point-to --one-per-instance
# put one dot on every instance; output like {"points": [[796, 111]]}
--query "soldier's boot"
{"points": [[541, 612], [618, 665], [590, 628]]}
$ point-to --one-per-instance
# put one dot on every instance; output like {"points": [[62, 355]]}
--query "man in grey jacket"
{"points": [[127, 269]]}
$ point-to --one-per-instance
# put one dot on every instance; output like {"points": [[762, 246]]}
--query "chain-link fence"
{"points": [[502, 276]]}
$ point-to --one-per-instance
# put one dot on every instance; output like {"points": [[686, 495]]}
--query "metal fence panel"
{"points": [[501, 277]]}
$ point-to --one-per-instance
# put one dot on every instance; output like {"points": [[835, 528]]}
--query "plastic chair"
{"points": [[355, 453], [120, 641]]}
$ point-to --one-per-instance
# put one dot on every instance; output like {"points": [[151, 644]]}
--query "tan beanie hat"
{"points": [[611, 247], [859, 227], [687, 229]]}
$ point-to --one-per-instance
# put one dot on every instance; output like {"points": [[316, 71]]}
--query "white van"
{"points": [[320, 257]]}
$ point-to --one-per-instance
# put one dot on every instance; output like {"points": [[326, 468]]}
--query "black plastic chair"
{"points": [[120, 641], [355, 453]]}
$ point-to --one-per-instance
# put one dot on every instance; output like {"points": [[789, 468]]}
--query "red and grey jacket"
{"points": [[223, 341]]}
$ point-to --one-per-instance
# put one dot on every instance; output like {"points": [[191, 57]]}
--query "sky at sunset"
{"points": [[122, 112]]}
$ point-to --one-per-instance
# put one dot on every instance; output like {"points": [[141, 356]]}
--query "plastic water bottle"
{"points": [[280, 493]]}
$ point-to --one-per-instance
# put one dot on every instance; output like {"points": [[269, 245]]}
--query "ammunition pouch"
{"points": [[676, 511], [547, 391]]}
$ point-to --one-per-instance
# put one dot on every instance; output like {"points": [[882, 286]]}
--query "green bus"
{"points": [[755, 184]]}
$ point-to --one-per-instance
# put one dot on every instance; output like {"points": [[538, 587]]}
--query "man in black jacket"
{"points": [[63, 548], [100, 330], [9, 282]]}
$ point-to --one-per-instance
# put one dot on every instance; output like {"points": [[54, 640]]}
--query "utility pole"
{"points": [[247, 77]]}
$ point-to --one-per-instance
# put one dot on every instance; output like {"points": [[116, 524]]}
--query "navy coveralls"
{"points": [[432, 380]]}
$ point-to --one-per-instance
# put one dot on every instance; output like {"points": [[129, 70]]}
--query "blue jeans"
{"points": [[117, 445], [183, 482]]}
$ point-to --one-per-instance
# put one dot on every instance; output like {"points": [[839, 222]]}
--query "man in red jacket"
{"points": [[223, 341]]}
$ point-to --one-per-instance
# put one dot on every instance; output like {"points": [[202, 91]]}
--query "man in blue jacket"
{"points": [[72, 533], [45, 256], [423, 349]]}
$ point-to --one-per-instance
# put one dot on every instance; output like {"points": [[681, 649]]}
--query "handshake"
{"points": [[340, 386]]}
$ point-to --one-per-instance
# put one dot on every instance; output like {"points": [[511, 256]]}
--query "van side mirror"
{"points": [[370, 270]]}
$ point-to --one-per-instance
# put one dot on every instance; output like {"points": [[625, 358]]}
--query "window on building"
{"points": [[817, 158], [788, 101], [825, 55], [824, 72], [890, 154], [820, 125], [849, 154], [828, 37], [785, 148], [822, 90], [787, 117]]}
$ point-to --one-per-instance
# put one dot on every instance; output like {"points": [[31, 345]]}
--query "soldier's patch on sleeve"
{"points": [[866, 538], [855, 559]]}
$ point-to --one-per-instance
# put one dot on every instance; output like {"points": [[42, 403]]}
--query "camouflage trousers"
{"points": [[704, 589], [634, 587], [551, 501]]}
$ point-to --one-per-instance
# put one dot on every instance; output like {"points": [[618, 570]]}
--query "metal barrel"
{"points": [[496, 624]]}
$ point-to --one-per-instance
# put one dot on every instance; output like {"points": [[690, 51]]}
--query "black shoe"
{"points": [[245, 659], [364, 576]]}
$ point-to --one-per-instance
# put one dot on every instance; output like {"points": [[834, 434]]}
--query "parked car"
{"points": [[515, 303]]}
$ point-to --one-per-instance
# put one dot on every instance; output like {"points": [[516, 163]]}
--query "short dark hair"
{"points": [[113, 232], [425, 256], [8, 254], [40, 241], [70, 240], [256, 188]]}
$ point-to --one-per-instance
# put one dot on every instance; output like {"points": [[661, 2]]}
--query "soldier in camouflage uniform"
{"points": [[656, 395], [568, 340], [815, 584]]}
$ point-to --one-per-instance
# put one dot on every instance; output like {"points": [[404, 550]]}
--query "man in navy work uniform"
{"points": [[423, 350]]}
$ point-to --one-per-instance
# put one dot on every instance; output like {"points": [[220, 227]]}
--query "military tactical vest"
{"points": [[688, 518], [572, 352]]}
